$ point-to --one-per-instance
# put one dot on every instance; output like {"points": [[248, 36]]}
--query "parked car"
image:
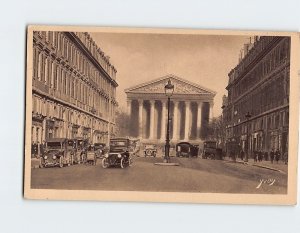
{"points": [[211, 151], [99, 149], [118, 153], [150, 150], [57, 153], [91, 158], [186, 149]]}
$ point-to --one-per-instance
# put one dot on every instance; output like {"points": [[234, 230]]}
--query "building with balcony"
{"points": [[73, 88], [259, 85]]}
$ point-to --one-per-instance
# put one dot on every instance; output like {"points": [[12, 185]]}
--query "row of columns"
{"points": [[176, 133]]}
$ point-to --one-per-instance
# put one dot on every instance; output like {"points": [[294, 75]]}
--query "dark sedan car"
{"points": [[118, 153], [186, 149], [58, 153]]}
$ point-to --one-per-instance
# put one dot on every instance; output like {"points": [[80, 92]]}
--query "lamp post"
{"points": [[248, 116], [169, 89]]}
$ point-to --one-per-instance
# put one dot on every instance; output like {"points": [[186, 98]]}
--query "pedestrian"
{"points": [[33, 150], [266, 155], [272, 155], [285, 157], [42, 148], [277, 155], [242, 155], [260, 156], [232, 155], [255, 156]]}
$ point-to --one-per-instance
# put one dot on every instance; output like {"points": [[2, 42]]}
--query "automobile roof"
{"points": [[57, 139], [184, 143], [119, 139], [81, 138]]}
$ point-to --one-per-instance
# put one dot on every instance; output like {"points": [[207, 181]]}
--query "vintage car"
{"points": [[118, 153], [100, 149], [91, 158], [186, 149], [150, 150], [82, 145], [57, 153], [211, 151]]}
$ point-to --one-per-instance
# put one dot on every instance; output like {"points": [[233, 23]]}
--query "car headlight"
{"points": [[45, 157], [54, 157], [119, 156]]}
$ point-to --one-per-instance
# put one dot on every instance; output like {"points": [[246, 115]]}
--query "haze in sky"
{"points": [[202, 59]]}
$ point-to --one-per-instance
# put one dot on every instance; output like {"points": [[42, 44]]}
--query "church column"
{"points": [[152, 102], [211, 115], [141, 102], [163, 120], [199, 119], [187, 120], [129, 107], [175, 121]]}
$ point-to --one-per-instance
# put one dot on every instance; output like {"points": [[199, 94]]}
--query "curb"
{"points": [[270, 168], [256, 165]]}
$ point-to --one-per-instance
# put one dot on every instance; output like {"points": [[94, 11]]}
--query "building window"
{"points": [[40, 64]]}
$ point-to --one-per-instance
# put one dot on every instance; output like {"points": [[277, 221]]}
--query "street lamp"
{"points": [[169, 89], [248, 116]]}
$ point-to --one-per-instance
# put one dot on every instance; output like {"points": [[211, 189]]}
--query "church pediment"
{"points": [[181, 86]]}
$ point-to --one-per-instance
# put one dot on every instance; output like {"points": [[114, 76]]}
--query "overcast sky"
{"points": [[202, 59]]}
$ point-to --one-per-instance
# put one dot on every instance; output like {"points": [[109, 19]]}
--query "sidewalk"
{"points": [[281, 167]]}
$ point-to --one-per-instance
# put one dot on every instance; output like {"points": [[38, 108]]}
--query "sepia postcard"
{"points": [[161, 115]]}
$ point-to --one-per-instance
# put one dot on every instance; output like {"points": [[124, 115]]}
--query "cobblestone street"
{"points": [[192, 175]]}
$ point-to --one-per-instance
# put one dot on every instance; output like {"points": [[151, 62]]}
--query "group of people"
{"points": [[37, 149], [273, 156]]}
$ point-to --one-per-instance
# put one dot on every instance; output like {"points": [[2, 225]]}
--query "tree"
{"points": [[122, 123], [216, 130]]}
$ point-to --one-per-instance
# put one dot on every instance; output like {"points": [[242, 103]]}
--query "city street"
{"points": [[192, 175]]}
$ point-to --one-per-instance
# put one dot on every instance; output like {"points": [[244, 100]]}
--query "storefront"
{"points": [[49, 129]]}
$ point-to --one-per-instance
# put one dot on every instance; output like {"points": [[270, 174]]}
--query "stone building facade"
{"points": [[259, 84], [190, 110], [73, 88]]}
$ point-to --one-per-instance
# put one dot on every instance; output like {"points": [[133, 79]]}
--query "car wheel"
{"points": [[148, 152], [105, 163], [61, 164], [122, 163]]}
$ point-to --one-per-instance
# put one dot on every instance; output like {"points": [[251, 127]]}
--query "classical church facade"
{"points": [[190, 110]]}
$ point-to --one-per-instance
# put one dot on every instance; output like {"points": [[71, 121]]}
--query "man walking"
{"points": [[266, 156], [272, 155], [277, 155], [260, 156], [242, 154], [285, 157]]}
